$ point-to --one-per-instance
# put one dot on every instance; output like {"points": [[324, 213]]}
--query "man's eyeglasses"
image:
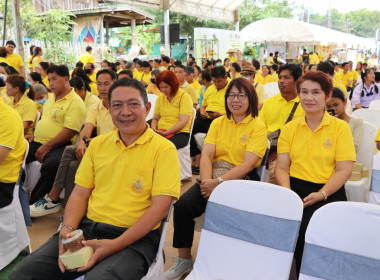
{"points": [[240, 96]]}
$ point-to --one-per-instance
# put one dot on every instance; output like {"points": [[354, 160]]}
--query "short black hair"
{"points": [[88, 48], [256, 64], [236, 66], [338, 93], [91, 65], [128, 82], [135, 59], [60, 70], [165, 58], [125, 72], [77, 82], [218, 72], [177, 63], [157, 60], [275, 67], [10, 42], [326, 67], [117, 63], [44, 65], [206, 75], [295, 70], [344, 64], [189, 70], [107, 71], [79, 64]]}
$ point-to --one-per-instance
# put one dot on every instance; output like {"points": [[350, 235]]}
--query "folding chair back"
{"points": [[271, 89], [184, 154], [374, 192], [371, 116], [152, 99], [250, 231], [342, 242]]}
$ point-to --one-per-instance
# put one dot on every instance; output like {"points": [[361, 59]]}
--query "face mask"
{"points": [[247, 78], [42, 101], [103, 68], [219, 64], [88, 71], [153, 80]]}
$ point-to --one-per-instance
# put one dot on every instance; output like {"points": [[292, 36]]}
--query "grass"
{"points": [[6, 270]]}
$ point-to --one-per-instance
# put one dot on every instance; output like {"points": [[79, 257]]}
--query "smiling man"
{"points": [[124, 188]]}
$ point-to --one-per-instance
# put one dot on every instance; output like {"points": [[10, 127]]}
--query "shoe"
{"points": [[44, 207], [195, 170], [179, 268]]}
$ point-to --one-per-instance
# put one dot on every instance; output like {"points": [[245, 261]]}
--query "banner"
{"points": [[86, 29]]}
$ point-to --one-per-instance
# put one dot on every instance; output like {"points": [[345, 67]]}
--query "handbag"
{"points": [[273, 136]]}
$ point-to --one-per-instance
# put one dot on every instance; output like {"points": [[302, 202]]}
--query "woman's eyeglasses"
{"points": [[240, 96]]}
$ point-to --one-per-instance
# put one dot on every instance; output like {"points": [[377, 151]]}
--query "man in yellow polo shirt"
{"points": [[346, 76], [62, 118], [12, 150], [14, 59], [353, 72], [99, 118], [213, 106], [276, 110], [328, 68], [87, 57], [182, 73], [124, 188]]}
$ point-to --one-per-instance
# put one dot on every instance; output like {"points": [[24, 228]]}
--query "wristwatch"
{"points": [[220, 180]]}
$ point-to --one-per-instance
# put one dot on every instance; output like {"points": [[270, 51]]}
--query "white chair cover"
{"points": [[374, 193], [200, 140], [33, 173], [374, 105], [342, 242], [249, 232], [359, 190], [348, 108], [13, 233], [184, 155], [371, 116], [271, 89], [152, 99]]}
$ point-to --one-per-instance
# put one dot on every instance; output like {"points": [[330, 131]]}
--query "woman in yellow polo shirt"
{"points": [[152, 87], [265, 76], [235, 70], [146, 73], [36, 58], [315, 152], [42, 70], [173, 111], [89, 84], [22, 100], [234, 145], [3, 55], [79, 87], [226, 64]]}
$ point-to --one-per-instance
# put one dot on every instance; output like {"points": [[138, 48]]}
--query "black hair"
{"points": [[218, 72], [338, 93], [128, 82], [157, 60], [344, 64], [364, 74], [135, 59], [10, 42], [326, 67], [91, 65], [88, 48], [117, 63], [60, 70], [295, 70], [79, 64], [198, 68], [12, 69], [177, 63], [79, 72], [112, 65], [208, 63], [271, 54], [236, 66], [146, 64], [107, 71], [275, 67], [126, 72], [44, 65], [37, 78], [256, 64], [165, 58], [31, 49], [206, 75], [377, 76], [191, 63], [78, 83], [189, 70]]}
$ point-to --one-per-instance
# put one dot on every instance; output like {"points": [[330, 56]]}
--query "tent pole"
{"points": [[167, 34]]}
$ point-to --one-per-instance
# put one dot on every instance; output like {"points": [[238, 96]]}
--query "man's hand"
{"points": [[64, 233], [29, 137], [102, 249], [202, 112], [207, 187], [81, 149], [42, 152], [214, 115]]}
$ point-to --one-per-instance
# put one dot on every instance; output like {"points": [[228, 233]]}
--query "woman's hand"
{"points": [[207, 186], [312, 199]]}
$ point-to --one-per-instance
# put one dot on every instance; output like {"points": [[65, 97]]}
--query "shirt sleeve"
{"points": [[85, 176], [258, 141], [92, 114], [8, 133], [377, 138], [186, 105], [345, 149], [30, 113], [356, 95], [157, 106], [283, 145], [75, 115]]}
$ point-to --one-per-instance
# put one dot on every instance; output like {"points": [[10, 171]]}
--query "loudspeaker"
{"points": [[173, 31]]}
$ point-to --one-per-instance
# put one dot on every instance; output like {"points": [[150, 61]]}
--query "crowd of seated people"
{"points": [[93, 124]]}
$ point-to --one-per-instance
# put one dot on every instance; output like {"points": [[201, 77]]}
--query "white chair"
{"points": [[348, 108], [359, 190], [271, 89], [263, 166], [13, 233], [371, 116], [200, 140], [374, 192], [33, 173], [374, 105], [152, 99], [249, 232], [342, 242], [184, 155]]}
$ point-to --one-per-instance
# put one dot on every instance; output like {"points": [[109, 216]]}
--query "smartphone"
{"points": [[86, 142], [331, 111]]}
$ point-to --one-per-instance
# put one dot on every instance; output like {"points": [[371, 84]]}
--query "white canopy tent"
{"points": [[293, 31]]}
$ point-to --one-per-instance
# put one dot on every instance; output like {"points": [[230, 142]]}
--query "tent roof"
{"points": [[221, 10], [293, 31]]}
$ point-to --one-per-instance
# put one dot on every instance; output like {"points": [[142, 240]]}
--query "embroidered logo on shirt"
{"points": [[327, 144], [137, 186], [244, 139]]}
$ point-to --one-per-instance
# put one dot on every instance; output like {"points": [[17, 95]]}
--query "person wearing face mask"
{"points": [[249, 73], [40, 96], [152, 87], [89, 68]]}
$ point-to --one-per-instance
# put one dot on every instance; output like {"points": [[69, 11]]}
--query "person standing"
{"points": [[87, 57], [14, 59]]}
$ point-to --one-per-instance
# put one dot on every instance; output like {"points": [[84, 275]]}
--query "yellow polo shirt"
{"points": [[46, 81], [341, 86], [3, 59], [93, 78], [3, 94], [190, 91], [270, 61], [90, 99], [337, 77], [36, 61], [137, 75], [16, 61], [260, 92], [354, 75], [346, 78], [153, 89], [197, 87], [29, 62], [100, 117], [86, 58], [169, 111], [377, 137], [146, 77], [94, 88], [275, 77], [313, 155], [213, 99], [68, 112], [276, 110], [232, 59], [27, 109], [12, 137], [232, 140], [263, 80], [124, 179]]}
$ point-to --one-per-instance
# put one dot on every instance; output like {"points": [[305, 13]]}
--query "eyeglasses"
{"points": [[241, 96]]}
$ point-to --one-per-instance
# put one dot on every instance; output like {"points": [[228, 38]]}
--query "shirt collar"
{"points": [[184, 84], [245, 120], [145, 137], [70, 95], [296, 99], [326, 120]]}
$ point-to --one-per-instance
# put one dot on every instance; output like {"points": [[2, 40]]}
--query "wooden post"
{"points": [[17, 27]]}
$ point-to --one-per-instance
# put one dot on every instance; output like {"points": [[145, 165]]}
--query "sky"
{"points": [[343, 6]]}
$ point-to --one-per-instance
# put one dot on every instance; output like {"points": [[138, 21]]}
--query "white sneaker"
{"points": [[179, 268], [44, 207]]}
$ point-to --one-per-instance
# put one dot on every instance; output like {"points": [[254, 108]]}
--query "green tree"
{"points": [[363, 22]]}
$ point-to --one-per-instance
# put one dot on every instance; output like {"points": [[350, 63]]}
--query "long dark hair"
{"points": [[19, 81]]}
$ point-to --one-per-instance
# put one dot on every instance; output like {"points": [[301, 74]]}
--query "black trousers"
{"points": [[180, 140], [131, 263], [200, 126], [49, 169], [303, 189], [6, 194]]}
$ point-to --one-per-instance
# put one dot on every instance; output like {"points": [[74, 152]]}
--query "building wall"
{"points": [[45, 5]]}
